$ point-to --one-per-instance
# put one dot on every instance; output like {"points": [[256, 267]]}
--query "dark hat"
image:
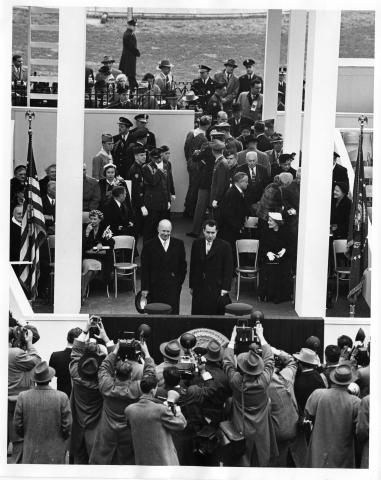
{"points": [[248, 62], [155, 153], [171, 349], [222, 302], [171, 94], [125, 121], [104, 69], [88, 365], [306, 355], [142, 117], [219, 85], [236, 107], [132, 22], [140, 132], [140, 303], [165, 63], [343, 187], [222, 126], [106, 138], [250, 362], [342, 374], [215, 134], [284, 157], [312, 343], [283, 69], [138, 149], [204, 67], [231, 63], [276, 137], [43, 373], [214, 352], [259, 126], [164, 148], [36, 335], [108, 59]]}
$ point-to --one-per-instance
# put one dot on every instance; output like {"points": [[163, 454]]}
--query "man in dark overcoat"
{"points": [[141, 121], [135, 174], [164, 267], [128, 59], [121, 143], [203, 86], [245, 80], [118, 213], [211, 270], [339, 173]]}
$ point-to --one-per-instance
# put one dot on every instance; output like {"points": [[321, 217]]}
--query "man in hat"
{"points": [[203, 86], [171, 102], [91, 195], [86, 399], [211, 270], [141, 120], [121, 143], [171, 352], [339, 173], [276, 141], [231, 143], [245, 80], [252, 101], [135, 174], [157, 175], [163, 267], [44, 434], [215, 103], [283, 166], [263, 142], [333, 413], [130, 51], [103, 157], [235, 121], [282, 88], [164, 78], [138, 138], [232, 83], [108, 61]]}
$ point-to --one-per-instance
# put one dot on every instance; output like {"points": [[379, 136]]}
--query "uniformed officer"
{"points": [[245, 80], [135, 174], [141, 120], [203, 86], [138, 139], [215, 104], [121, 144]]}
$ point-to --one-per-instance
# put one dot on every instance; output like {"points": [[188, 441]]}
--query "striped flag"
{"points": [[358, 230], [33, 231]]}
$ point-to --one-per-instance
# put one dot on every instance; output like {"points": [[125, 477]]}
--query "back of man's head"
{"points": [[171, 377], [344, 341], [72, 334], [205, 121], [332, 354], [148, 383], [118, 191], [259, 127]]}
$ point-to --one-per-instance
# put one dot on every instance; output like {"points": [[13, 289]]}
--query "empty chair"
{"points": [[341, 273], [248, 246], [251, 225], [124, 265]]}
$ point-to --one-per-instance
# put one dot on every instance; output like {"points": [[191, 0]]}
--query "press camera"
{"points": [[189, 363], [246, 334], [129, 347]]}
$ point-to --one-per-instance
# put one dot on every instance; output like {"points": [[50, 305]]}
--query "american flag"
{"points": [[358, 230], [33, 231]]}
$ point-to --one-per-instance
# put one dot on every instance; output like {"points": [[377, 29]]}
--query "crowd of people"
{"points": [[115, 404]]}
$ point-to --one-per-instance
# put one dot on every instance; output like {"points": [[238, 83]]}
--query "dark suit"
{"points": [[44, 185], [118, 217], [14, 242], [121, 155], [128, 59], [209, 274], [257, 185], [339, 174], [236, 125], [340, 215], [203, 90], [245, 81], [137, 196], [60, 362], [264, 143], [49, 209], [163, 272], [151, 139]]}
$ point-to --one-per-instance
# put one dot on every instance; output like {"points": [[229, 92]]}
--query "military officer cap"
{"points": [[106, 137], [132, 22], [140, 132], [155, 153], [142, 117], [283, 69], [164, 148], [204, 68], [276, 137], [248, 62], [138, 149], [125, 121]]}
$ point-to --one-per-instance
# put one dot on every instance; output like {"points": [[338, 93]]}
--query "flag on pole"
{"points": [[358, 230], [33, 231]]}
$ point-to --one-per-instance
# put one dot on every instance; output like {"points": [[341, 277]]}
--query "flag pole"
{"points": [[29, 115]]}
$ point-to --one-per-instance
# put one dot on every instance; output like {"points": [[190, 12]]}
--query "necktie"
{"points": [[208, 247], [228, 77], [252, 174], [167, 82]]}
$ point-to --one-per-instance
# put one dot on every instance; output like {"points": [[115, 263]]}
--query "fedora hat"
{"points": [[171, 349], [190, 96], [306, 355], [108, 59], [250, 363], [214, 351], [88, 365], [165, 63], [342, 374], [231, 63], [43, 373]]}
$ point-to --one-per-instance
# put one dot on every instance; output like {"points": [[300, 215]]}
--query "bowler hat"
{"points": [[306, 355], [43, 373], [142, 117], [204, 67], [214, 351], [125, 121], [248, 62], [165, 63], [132, 22], [171, 349], [190, 96], [106, 138], [230, 63], [108, 59], [342, 374], [250, 363]]}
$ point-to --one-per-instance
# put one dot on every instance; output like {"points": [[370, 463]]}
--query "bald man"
{"points": [[258, 177], [163, 267]]}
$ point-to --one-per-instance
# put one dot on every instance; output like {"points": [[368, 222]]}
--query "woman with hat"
{"points": [[108, 182], [251, 413], [340, 211], [274, 261], [43, 418]]}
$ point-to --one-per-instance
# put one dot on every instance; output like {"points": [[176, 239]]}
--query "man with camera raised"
{"points": [[86, 400], [119, 383]]}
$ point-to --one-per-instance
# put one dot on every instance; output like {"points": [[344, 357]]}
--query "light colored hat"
{"points": [[306, 355], [190, 96], [106, 137], [276, 216]]}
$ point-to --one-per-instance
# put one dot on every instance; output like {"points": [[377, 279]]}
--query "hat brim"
{"points": [[51, 374], [230, 65], [162, 351], [254, 371], [170, 66], [184, 99], [98, 357], [333, 379], [300, 358], [214, 359]]}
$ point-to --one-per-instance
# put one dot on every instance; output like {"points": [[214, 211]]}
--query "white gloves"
{"points": [[144, 211]]}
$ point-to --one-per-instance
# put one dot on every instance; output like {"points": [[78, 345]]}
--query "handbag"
{"points": [[232, 441]]}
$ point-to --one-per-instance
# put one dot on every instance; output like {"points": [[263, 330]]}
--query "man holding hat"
{"points": [[215, 103], [203, 86], [245, 80], [334, 413], [164, 78], [121, 143], [128, 59], [141, 120], [43, 418], [252, 101], [103, 157], [232, 83]]}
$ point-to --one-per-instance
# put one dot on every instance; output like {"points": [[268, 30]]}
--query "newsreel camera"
{"points": [[246, 334], [360, 352], [129, 347], [189, 363]]}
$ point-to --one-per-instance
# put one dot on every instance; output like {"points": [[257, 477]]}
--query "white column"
{"points": [[70, 132], [271, 70], [294, 88], [317, 147]]}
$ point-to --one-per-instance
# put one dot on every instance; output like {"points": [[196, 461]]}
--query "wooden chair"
{"points": [[123, 268], [251, 225], [342, 273], [249, 246]]}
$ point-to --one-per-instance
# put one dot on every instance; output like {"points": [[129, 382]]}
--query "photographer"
{"points": [[119, 383], [151, 423], [86, 400], [171, 352], [22, 358], [250, 381]]}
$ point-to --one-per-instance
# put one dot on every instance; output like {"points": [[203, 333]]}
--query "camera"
{"points": [[189, 362], [94, 328], [17, 336], [129, 347], [246, 335]]}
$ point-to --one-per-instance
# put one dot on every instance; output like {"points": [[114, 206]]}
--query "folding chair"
{"points": [[340, 272], [249, 246], [123, 268]]}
